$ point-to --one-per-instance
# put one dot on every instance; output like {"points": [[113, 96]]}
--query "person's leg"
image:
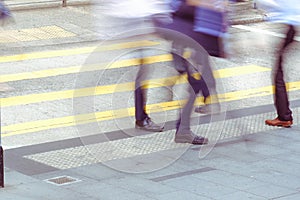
{"points": [[281, 97], [183, 124], [178, 61], [284, 114], [139, 99], [183, 131], [209, 91], [202, 59], [143, 121], [181, 65]]}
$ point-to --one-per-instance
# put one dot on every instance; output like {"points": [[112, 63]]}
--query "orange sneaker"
{"points": [[278, 122]]}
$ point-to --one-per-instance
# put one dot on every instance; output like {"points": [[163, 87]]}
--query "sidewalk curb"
{"points": [[45, 5], [247, 20]]}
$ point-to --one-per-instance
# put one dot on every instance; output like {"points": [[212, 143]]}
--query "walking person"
{"points": [[284, 114], [183, 131], [123, 15], [183, 23], [206, 23], [287, 13], [129, 20], [143, 121]]}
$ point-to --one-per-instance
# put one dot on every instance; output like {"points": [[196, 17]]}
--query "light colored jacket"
{"points": [[117, 19], [135, 8], [281, 11]]}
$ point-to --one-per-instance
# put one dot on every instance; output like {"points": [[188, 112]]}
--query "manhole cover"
{"points": [[62, 180]]}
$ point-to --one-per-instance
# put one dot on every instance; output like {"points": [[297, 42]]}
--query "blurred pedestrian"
{"points": [[210, 26], [206, 23], [132, 14], [287, 13], [131, 20], [128, 20], [196, 83], [5, 14], [185, 16]]}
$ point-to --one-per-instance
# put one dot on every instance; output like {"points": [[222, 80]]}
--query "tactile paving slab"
{"points": [[32, 34], [152, 143]]}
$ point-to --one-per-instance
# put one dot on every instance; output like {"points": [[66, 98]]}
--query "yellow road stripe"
{"points": [[86, 68], [75, 51], [237, 71], [108, 89], [40, 125], [67, 94], [121, 64]]}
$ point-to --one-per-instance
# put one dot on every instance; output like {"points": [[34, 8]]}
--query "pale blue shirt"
{"points": [[282, 11]]}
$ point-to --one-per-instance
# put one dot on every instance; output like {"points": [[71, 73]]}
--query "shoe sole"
{"points": [[213, 112], [280, 125], [151, 130], [186, 141]]}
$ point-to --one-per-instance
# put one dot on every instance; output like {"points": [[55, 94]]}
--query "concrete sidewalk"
{"points": [[15, 5], [242, 11], [74, 23], [264, 165]]}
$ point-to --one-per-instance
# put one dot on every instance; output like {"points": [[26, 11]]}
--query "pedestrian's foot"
{"points": [[148, 125], [208, 109], [190, 137], [278, 122]]}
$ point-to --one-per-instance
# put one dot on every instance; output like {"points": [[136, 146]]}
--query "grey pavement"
{"points": [[76, 18], [243, 7], [263, 165], [260, 165]]}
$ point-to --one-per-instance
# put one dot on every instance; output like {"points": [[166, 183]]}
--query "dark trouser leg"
{"points": [[183, 124], [281, 98], [178, 61], [202, 59], [181, 65], [139, 95]]}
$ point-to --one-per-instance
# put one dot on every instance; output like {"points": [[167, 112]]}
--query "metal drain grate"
{"points": [[62, 180]]}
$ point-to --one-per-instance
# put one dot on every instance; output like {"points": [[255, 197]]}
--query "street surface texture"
{"points": [[67, 115]]}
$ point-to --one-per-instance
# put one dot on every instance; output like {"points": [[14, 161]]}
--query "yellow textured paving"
{"points": [[32, 34]]}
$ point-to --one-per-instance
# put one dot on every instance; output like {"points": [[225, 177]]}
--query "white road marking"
{"points": [[266, 32]]}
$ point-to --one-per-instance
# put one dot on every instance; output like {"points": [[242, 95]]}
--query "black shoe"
{"points": [[191, 138], [148, 125]]}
